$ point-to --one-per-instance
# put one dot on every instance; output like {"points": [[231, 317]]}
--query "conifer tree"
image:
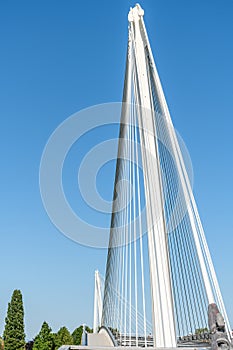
{"points": [[44, 340], [14, 336], [77, 335], [63, 337]]}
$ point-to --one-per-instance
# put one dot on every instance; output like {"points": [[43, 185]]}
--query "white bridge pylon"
{"points": [[98, 301], [159, 265]]}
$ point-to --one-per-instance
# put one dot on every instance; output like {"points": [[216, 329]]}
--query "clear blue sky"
{"points": [[58, 57]]}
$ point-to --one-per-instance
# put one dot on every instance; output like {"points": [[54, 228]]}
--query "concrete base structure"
{"points": [[99, 340]]}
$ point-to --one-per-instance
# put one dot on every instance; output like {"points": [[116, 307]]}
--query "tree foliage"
{"points": [[14, 336], [77, 334], [44, 340], [88, 329], [63, 337], [1, 344], [201, 330]]}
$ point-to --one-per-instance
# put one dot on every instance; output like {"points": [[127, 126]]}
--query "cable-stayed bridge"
{"points": [[160, 288], [160, 285]]}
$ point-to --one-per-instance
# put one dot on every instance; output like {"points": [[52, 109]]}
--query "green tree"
{"points": [[77, 334], [201, 330], [44, 340], [1, 344], [14, 336], [89, 330], [63, 337]]}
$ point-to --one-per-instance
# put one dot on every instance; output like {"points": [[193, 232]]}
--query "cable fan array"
{"points": [[128, 299]]}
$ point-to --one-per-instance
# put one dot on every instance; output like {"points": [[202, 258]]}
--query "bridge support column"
{"points": [[160, 279]]}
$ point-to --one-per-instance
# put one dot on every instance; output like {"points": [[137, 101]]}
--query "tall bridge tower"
{"points": [[160, 283]]}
